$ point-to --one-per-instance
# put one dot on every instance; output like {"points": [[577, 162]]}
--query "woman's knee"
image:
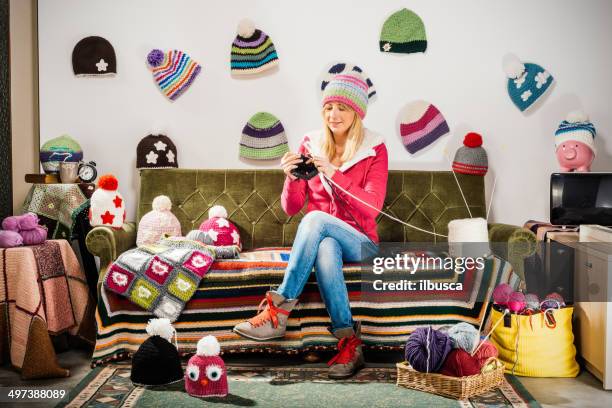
{"points": [[314, 220], [329, 256]]}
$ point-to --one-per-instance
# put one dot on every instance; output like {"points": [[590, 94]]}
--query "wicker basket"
{"points": [[454, 387]]}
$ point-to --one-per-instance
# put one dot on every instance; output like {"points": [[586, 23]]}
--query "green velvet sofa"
{"points": [[427, 199]]}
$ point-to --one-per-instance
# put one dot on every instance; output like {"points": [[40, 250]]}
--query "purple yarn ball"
{"points": [[34, 236], [155, 58], [10, 239], [11, 223], [416, 349], [28, 221], [553, 301]]}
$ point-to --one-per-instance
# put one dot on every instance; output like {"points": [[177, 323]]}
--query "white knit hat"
{"points": [[158, 223], [106, 204]]}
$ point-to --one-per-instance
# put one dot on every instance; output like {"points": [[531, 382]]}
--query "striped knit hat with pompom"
{"points": [[173, 71], [263, 138], [471, 158], [350, 89], [252, 50], [576, 127]]}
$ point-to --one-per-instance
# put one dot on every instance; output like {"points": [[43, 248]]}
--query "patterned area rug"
{"points": [[110, 386]]}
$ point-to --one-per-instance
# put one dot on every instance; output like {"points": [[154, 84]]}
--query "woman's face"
{"points": [[338, 117]]}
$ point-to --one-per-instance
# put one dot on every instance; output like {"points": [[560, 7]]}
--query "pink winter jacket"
{"points": [[365, 176]]}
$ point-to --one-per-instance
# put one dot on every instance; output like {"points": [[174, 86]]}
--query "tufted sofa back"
{"points": [[427, 199]]}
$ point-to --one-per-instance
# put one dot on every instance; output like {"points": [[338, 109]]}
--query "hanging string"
{"points": [[459, 185]]}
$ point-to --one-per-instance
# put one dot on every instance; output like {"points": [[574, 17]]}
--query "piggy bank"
{"points": [[574, 155]]}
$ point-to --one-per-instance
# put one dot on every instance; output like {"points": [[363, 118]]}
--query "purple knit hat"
{"points": [[421, 125]]}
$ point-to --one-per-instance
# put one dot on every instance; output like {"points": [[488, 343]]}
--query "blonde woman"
{"points": [[337, 227]]}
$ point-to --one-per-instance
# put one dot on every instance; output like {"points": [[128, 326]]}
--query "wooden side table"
{"points": [[592, 303]]}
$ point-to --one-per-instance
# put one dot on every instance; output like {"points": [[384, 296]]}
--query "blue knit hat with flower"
{"points": [[526, 81]]}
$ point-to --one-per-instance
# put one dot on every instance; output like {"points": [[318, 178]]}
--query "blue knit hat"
{"points": [[526, 81], [576, 127]]}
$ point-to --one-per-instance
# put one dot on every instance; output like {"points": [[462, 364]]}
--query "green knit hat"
{"points": [[404, 33], [263, 138]]}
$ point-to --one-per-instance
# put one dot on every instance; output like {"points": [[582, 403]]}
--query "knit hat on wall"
{"points": [[347, 68], [403, 32], [421, 125], [156, 152], [107, 207], [252, 50], [576, 127], [173, 71], [526, 81], [157, 361], [94, 56], [350, 89], [471, 158], [158, 223], [263, 138]]}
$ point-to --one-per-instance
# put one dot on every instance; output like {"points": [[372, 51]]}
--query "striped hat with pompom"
{"points": [[471, 158], [158, 223], [263, 138], [252, 50], [173, 71], [576, 127], [107, 207]]}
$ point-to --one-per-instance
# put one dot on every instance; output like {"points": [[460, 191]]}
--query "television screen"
{"points": [[581, 198]]}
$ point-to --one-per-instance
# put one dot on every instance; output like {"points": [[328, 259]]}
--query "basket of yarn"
{"points": [[429, 351]]}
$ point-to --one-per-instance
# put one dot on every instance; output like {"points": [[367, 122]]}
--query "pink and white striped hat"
{"points": [[421, 125], [350, 89]]}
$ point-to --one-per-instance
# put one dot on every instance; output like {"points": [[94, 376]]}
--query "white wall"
{"points": [[460, 73]]}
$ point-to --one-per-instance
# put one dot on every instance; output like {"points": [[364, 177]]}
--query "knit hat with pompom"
{"points": [[219, 230], [252, 50], [173, 71], [158, 223], [106, 204], [205, 375], [471, 158], [576, 127]]}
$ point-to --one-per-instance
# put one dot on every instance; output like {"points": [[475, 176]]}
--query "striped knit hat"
{"points": [[576, 127], [471, 158], [344, 68], [403, 33], [173, 71], [421, 125], [350, 89], [526, 82], [252, 50], [263, 138]]}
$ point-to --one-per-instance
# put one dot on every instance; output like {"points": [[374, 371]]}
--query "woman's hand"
{"points": [[324, 166], [289, 161]]}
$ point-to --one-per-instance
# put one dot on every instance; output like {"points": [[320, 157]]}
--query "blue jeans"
{"points": [[324, 241]]}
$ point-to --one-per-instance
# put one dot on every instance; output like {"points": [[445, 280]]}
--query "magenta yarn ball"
{"points": [[34, 236], [502, 293], [516, 302], [10, 239], [11, 223]]}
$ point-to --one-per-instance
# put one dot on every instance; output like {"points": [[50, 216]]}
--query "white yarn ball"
{"points": [[208, 346], [160, 327], [162, 203], [468, 230], [246, 28], [217, 211], [577, 116], [513, 67]]}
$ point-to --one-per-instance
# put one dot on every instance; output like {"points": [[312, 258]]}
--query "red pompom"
{"points": [[108, 182], [472, 140]]}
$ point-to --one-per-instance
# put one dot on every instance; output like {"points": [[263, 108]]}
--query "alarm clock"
{"points": [[88, 172]]}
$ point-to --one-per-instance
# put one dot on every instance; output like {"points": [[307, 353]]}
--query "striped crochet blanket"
{"points": [[232, 289]]}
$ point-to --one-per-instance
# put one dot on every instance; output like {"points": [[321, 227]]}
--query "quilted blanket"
{"points": [[160, 277]]}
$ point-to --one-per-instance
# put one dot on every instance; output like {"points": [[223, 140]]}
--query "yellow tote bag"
{"points": [[534, 346]]}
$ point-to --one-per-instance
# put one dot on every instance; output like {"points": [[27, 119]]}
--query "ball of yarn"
{"points": [[532, 302], [420, 340], [28, 221], [553, 301], [459, 363], [34, 236], [501, 293], [516, 302], [464, 336], [11, 223], [155, 58], [486, 351], [10, 239]]}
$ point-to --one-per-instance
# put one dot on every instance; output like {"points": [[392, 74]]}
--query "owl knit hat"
{"points": [[576, 127], [252, 50], [403, 32], [346, 68], [156, 152], [471, 158], [94, 56], [157, 361], [158, 223], [106, 204], [421, 125], [173, 71], [526, 82], [263, 138], [205, 375], [219, 230], [350, 89]]}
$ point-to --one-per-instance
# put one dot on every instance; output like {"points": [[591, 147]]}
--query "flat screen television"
{"points": [[581, 198]]}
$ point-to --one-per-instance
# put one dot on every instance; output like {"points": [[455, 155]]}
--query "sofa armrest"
{"points": [[513, 244], [108, 243]]}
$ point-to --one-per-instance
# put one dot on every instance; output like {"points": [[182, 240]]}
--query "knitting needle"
{"points": [[506, 311]]}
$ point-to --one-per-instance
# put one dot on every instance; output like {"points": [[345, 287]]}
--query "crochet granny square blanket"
{"points": [[161, 277]]}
